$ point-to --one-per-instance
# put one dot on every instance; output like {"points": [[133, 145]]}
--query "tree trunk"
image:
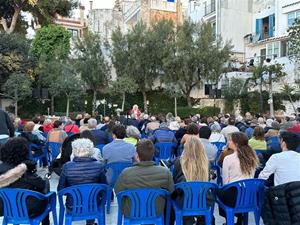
{"points": [[16, 108], [175, 106], [294, 108], [261, 103], [145, 101], [68, 106], [52, 104], [271, 95], [123, 101], [14, 20], [94, 102], [189, 100]]}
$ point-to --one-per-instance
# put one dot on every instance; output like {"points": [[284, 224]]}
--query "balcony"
{"points": [[208, 9], [132, 11]]}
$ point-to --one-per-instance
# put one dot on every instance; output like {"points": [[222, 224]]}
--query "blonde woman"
{"points": [[193, 165]]}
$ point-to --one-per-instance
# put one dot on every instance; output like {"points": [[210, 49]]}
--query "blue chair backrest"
{"points": [[143, 201], [249, 191], [84, 198], [219, 145], [273, 144], [14, 203], [117, 168], [55, 149], [195, 194], [165, 149]]}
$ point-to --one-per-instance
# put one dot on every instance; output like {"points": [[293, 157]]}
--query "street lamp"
{"points": [[268, 63]]}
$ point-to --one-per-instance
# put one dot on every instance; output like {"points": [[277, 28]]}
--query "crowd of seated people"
{"points": [[133, 138]]}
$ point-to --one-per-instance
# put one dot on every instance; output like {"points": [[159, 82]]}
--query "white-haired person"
{"points": [[216, 135], [133, 135], [84, 169]]}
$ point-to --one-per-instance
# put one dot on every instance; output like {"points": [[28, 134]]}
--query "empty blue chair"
{"points": [[88, 202], [164, 150], [36, 158], [195, 201], [214, 165], [115, 169], [143, 208], [250, 196], [15, 209], [54, 150]]}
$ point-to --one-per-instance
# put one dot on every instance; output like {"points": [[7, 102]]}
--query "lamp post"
{"points": [[268, 63]]}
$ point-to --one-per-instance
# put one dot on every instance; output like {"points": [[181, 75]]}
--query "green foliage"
{"points": [[44, 11], [17, 87], [14, 56], [232, 93], [91, 64], [294, 40], [195, 56], [52, 41]]}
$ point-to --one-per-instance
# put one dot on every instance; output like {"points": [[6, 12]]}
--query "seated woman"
{"points": [[237, 166], [216, 135], [133, 135], [257, 142], [83, 169], [193, 165], [16, 171], [57, 134]]}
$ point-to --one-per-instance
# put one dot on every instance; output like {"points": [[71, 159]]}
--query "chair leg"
{"points": [[54, 216], [4, 222], [101, 220], [120, 216], [245, 218], [208, 219], [109, 193], [68, 220], [257, 217], [178, 219], [230, 217]]}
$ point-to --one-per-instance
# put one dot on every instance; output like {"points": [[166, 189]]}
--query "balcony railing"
{"points": [[132, 10], [208, 9]]}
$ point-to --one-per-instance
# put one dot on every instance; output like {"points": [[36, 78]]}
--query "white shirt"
{"points": [[232, 169], [217, 137], [284, 165], [229, 129]]}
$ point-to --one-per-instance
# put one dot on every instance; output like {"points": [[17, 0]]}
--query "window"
{"points": [[214, 28], [283, 48], [292, 16], [207, 89], [273, 50], [74, 33]]}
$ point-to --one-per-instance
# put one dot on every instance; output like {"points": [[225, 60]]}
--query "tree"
{"points": [[51, 41], [289, 91], [191, 59], [122, 86], [173, 90], [17, 87], [146, 50], [14, 56], [91, 64], [294, 40], [232, 93], [44, 11]]}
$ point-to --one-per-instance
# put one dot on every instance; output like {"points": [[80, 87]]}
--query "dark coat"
{"points": [[6, 126], [24, 177], [282, 205]]}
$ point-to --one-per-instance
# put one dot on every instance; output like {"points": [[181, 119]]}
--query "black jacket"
{"points": [[6, 126], [282, 205]]}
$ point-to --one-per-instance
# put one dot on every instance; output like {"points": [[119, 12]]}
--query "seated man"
{"points": [[210, 149], [118, 150], [163, 134], [285, 165], [145, 174], [101, 137]]}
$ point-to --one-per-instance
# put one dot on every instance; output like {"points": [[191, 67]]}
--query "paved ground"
{"points": [[111, 219]]}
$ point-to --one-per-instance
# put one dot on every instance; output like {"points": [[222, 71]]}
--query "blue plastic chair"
{"points": [[116, 169], [100, 147], [194, 201], [273, 144], [54, 148], [164, 150], [214, 165], [15, 208], [86, 204], [250, 197], [34, 157], [143, 208]]}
